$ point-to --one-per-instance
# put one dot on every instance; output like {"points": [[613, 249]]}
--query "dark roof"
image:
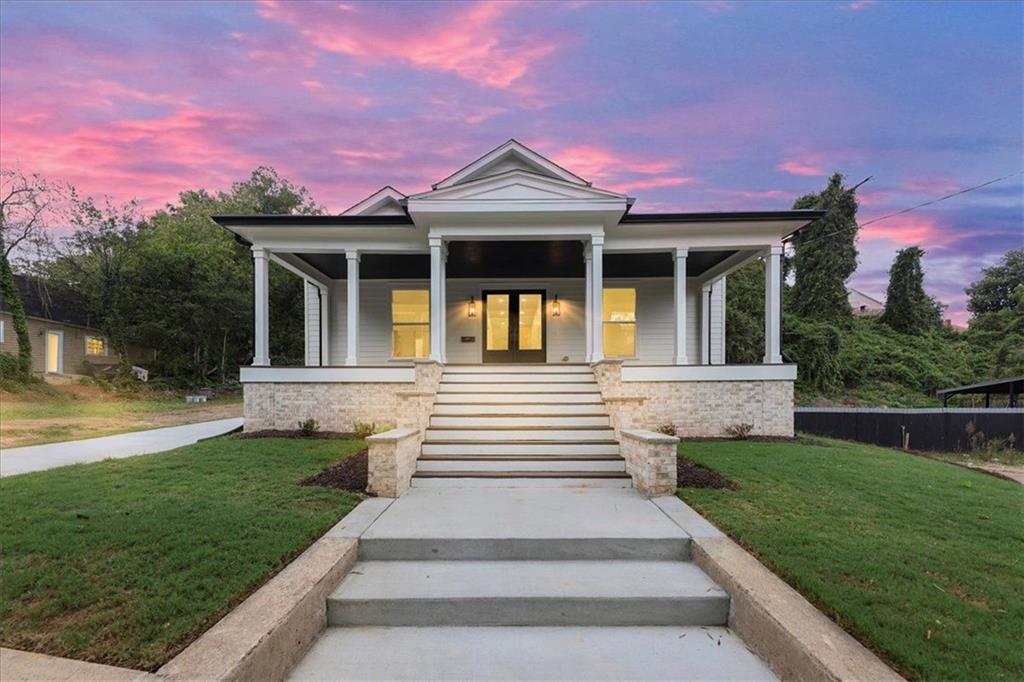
{"points": [[314, 220], [1011, 385], [720, 217], [41, 301]]}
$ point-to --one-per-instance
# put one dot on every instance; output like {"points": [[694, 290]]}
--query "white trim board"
{"points": [[327, 375], [709, 373]]}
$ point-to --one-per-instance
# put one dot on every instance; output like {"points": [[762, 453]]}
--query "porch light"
{"points": [[472, 307], [556, 307]]}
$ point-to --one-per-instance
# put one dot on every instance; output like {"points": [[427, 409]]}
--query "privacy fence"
{"points": [[936, 430]]}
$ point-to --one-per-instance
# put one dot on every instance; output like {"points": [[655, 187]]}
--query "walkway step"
{"points": [[519, 398], [519, 420], [462, 447], [520, 368], [513, 409], [520, 479], [519, 377], [520, 387], [527, 593], [520, 435]]}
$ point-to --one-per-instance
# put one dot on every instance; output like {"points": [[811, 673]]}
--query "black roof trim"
{"points": [[314, 220], [720, 217]]}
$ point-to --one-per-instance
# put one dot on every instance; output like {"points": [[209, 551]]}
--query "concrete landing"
{"points": [[530, 653], [523, 523]]}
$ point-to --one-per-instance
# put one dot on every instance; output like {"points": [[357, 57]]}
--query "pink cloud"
{"points": [[619, 172], [366, 155], [908, 230], [800, 167], [934, 185], [469, 42], [718, 6], [652, 183], [858, 5]]}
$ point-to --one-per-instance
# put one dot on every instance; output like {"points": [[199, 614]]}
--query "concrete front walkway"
{"points": [[15, 461], [527, 584]]}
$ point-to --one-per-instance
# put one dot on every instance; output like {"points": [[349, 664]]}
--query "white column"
{"points": [[773, 306], [325, 326], [352, 309], [261, 306], [444, 303], [436, 276], [705, 323], [679, 258], [588, 305], [597, 298]]}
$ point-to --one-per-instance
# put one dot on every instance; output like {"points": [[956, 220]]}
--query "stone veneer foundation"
{"points": [[698, 409]]}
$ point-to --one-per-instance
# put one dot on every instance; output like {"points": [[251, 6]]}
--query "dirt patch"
{"points": [[348, 474], [689, 474], [295, 433]]}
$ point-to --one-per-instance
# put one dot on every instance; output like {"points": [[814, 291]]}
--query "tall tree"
{"points": [[995, 290], [25, 202], [826, 254], [744, 314], [908, 308]]}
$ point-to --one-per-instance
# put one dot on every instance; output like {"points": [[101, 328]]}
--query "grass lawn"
{"points": [[71, 412], [126, 561], [920, 560]]}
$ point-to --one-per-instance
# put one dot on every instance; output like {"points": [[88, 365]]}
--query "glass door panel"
{"points": [[498, 316], [531, 322], [514, 326]]}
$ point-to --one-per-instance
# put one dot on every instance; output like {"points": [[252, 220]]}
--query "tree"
{"points": [[24, 208], [908, 308], [744, 314], [826, 254], [995, 290]]}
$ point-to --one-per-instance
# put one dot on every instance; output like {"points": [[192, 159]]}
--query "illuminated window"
{"points": [[95, 345], [619, 308], [410, 323]]}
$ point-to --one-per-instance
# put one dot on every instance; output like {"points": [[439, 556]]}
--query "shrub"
{"points": [[9, 367], [739, 431], [308, 427], [364, 429], [667, 429]]}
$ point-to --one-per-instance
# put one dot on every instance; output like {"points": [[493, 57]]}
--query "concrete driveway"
{"points": [[15, 461]]}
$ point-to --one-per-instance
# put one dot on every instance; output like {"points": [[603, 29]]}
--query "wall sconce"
{"points": [[472, 307], [556, 307]]}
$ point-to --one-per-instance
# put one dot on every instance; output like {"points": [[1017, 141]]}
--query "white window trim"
{"points": [[1, 331], [60, 351], [391, 340], [106, 346]]}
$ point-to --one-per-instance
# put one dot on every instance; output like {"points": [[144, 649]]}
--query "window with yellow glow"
{"points": [[410, 323], [619, 316], [94, 345]]}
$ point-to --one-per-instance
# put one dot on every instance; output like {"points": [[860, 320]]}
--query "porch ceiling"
{"points": [[515, 259]]}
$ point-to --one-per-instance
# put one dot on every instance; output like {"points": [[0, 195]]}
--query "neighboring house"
{"points": [[862, 304], [63, 341], [514, 259]]}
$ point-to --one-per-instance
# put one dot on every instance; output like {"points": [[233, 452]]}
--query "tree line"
{"points": [[176, 282]]}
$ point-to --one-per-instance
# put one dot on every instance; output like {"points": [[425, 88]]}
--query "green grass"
{"points": [[920, 560], [126, 561], [103, 407]]}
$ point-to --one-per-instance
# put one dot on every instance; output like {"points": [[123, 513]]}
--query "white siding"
{"points": [[312, 304], [718, 322], [566, 341]]}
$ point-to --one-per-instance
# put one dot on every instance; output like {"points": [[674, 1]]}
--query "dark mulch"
{"points": [[348, 474], [689, 474], [295, 433]]}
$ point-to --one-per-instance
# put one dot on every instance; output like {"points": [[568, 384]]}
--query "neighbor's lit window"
{"points": [[619, 322], [95, 345], [410, 323]]}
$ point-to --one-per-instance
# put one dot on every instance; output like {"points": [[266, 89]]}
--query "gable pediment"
{"points": [[517, 186], [385, 201], [511, 156]]}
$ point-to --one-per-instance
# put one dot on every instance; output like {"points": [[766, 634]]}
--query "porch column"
{"points": [[597, 298], [679, 258], [705, 323], [436, 276], [444, 302], [261, 306], [352, 308], [773, 306], [587, 296]]}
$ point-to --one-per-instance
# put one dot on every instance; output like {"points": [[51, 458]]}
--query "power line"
{"points": [[913, 208]]}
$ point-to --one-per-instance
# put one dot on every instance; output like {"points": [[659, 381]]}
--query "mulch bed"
{"points": [[295, 433], [348, 474], [689, 474]]}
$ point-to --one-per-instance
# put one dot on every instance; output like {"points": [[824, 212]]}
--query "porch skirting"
{"points": [[701, 407]]}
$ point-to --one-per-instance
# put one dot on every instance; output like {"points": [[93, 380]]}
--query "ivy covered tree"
{"points": [[995, 290], [908, 308], [826, 254]]}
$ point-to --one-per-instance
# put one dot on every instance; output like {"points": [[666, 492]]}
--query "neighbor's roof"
{"points": [[40, 302], [1011, 385]]}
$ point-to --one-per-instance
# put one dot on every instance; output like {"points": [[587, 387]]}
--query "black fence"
{"points": [[935, 430]]}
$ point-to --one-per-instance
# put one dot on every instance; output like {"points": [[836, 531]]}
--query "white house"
{"points": [[862, 304], [524, 274]]}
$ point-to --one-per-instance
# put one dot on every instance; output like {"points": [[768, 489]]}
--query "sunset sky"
{"points": [[685, 106]]}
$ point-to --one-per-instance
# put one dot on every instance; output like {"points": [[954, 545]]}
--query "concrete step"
{"points": [[519, 398], [520, 387], [520, 479], [515, 434], [516, 524], [530, 653], [513, 409], [527, 593], [554, 463], [519, 420], [453, 447], [518, 377], [523, 368]]}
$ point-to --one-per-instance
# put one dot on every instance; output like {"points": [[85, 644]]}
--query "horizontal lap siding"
{"points": [[312, 300]]}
